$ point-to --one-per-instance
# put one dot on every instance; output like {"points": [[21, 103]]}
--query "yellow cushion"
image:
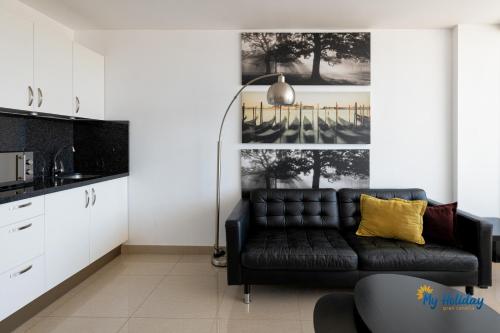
{"points": [[394, 218]]}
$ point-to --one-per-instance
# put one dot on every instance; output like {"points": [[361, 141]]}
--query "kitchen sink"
{"points": [[76, 176]]}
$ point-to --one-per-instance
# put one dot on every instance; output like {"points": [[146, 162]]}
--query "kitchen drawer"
{"points": [[21, 285], [21, 241], [21, 210]]}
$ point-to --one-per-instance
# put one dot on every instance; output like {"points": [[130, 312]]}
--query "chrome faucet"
{"points": [[60, 169]]}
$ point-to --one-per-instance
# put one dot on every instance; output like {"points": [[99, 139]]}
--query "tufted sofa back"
{"points": [[280, 208], [350, 214]]}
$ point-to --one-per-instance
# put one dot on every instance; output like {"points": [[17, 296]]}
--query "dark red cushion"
{"points": [[439, 223]]}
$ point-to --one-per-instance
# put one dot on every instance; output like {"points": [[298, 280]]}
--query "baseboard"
{"points": [[166, 249], [28, 311]]}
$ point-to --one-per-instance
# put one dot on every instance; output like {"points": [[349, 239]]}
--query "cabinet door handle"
{"points": [[94, 197], [40, 97], [87, 198], [21, 206], [21, 272], [30, 96], [22, 228], [77, 104]]}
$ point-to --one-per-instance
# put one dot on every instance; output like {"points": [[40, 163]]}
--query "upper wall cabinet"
{"points": [[16, 63], [42, 71], [53, 70], [88, 83]]}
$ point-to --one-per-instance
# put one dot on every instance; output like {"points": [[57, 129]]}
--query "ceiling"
{"points": [[267, 14]]}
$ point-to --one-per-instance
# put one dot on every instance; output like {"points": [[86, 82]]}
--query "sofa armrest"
{"points": [[237, 225], [475, 235]]}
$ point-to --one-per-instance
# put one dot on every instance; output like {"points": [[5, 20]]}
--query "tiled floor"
{"points": [[178, 294]]}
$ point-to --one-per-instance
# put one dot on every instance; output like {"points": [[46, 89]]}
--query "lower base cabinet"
{"points": [[67, 216], [21, 285], [21, 241], [47, 239], [82, 225], [108, 217]]}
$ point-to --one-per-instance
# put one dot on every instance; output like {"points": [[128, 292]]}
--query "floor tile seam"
{"points": [[148, 296], [261, 319], [122, 326], [74, 294], [179, 262], [121, 274], [172, 317], [87, 316], [175, 264]]}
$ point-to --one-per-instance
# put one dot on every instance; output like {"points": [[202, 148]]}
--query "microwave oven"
{"points": [[16, 168]]}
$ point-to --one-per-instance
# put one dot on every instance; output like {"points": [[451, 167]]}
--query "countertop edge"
{"points": [[54, 189]]}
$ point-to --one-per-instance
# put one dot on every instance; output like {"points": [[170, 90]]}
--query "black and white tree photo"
{"points": [[295, 168], [339, 58]]}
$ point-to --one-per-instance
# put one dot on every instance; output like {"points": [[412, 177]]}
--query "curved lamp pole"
{"points": [[280, 93]]}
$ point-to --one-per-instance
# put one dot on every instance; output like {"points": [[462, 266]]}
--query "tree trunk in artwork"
{"points": [[267, 60], [315, 75], [268, 181], [316, 169]]}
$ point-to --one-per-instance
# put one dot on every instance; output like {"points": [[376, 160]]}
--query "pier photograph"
{"points": [[297, 168], [316, 117], [340, 58]]}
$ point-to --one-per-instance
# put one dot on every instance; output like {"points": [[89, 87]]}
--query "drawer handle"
{"points": [[22, 228], [21, 272], [21, 206]]}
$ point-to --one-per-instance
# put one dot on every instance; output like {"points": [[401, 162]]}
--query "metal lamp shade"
{"points": [[280, 93]]}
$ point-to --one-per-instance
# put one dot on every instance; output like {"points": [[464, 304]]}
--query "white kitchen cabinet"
{"points": [[21, 285], [109, 216], [16, 63], [82, 225], [22, 270], [53, 70], [88, 83], [67, 218], [42, 71], [47, 239], [20, 210], [21, 241]]}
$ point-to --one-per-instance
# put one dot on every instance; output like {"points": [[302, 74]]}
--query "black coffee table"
{"points": [[386, 303], [334, 313]]}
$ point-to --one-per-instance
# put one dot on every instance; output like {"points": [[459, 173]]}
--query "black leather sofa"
{"points": [[308, 236]]}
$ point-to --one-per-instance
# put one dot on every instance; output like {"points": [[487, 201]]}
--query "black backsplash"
{"points": [[101, 146]]}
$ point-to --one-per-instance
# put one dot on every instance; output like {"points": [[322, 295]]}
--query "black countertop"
{"points": [[42, 186]]}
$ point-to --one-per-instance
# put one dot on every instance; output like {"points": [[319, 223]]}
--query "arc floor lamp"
{"points": [[280, 93]]}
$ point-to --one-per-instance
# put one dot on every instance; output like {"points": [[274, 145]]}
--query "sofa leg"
{"points": [[469, 290], [246, 297]]}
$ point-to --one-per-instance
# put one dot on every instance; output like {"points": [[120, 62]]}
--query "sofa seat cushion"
{"points": [[311, 249], [382, 254]]}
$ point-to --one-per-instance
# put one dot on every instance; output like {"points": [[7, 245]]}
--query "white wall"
{"points": [[411, 98], [173, 86], [477, 117]]}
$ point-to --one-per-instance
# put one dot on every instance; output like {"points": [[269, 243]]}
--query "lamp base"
{"points": [[219, 258]]}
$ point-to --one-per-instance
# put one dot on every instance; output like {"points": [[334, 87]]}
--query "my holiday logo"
{"points": [[448, 301]]}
